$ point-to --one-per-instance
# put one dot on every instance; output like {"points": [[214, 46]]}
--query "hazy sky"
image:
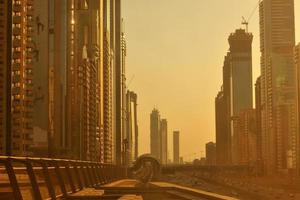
{"points": [[175, 51]]}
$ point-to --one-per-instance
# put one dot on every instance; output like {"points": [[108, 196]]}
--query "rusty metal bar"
{"points": [[93, 174], [69, 175], [84, 175], [48, 181], [77, 175], [60, 179], [13, 180], [92, 181], [35, 187]]}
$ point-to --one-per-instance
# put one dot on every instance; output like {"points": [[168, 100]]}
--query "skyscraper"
{"points": [[164, 141], [245, 138], [84, 60], [118, 78], [258, 108], [176, 147], [236, 94], [155, 134], [240, 58], [5, 67], [297, 63], [278, 85], [123, 89], [210, 149], [131, 128], [223, 137], [49, 135], [107, 88], [17, 92]]}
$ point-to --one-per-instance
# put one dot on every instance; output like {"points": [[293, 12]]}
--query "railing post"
{"points": [[98, 174], [13, 180], [48, 181], [84, 175], [77, 174], [34, 184], [102, 173], [60, 178], [88, 167], [95, 174], [67, 167]]}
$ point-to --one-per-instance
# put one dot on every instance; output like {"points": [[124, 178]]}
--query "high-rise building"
{"points": [[176, 147], [60, 140], [155, 134], [236, 93], [278, 85], [85, 62], [123, 94], [258, 108], [164, 141], [244, 141], [107, 89], [49, 82], [17, 92], [240, 75], [223, 137], [116, 24], [132, 128], [240, 58], [5, 67], [297, 63], [210, 149]]}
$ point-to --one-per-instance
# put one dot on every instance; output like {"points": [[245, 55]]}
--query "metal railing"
{"points": [[57, 177]]}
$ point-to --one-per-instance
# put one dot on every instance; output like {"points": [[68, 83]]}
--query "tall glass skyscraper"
{"points": [[278, 85]]}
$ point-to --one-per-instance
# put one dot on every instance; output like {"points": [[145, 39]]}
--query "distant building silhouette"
{"points": [[223, 137], [278, 91], [210, 149], [176, 147], [164, 141], [155, 134]]}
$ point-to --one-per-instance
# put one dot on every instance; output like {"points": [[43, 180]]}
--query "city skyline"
{"points": [[188, 33], [113, 99]]}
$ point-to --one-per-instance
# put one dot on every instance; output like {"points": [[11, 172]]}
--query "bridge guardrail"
{"points": [[59, 177]]}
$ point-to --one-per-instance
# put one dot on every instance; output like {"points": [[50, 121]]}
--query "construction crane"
{"points": [[245, 21]]}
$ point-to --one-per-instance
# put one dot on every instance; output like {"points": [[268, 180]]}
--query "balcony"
{"points": [[16, 66], [17, 8], [16, 31], [16, 90], [16, 43], [16, 78], [16, 55], [17, 19]]}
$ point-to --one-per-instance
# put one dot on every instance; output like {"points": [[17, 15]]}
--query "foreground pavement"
{"points": [[135, 190]]}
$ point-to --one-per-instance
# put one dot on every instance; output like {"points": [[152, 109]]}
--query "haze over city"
{"points": [[175, 53], [150, 99]]}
